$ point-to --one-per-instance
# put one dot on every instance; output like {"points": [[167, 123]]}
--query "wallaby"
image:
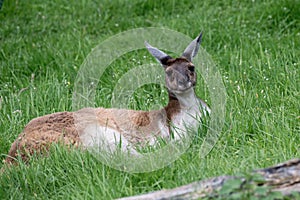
{"points": [[90, 127]]}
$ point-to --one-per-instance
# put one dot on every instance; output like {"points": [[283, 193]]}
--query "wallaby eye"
{"points": [[191, 68]]}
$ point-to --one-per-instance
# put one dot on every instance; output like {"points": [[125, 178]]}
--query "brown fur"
{"points": [[38, 135], [65, 128], [180, 60], [172, 109], [141, 119]]}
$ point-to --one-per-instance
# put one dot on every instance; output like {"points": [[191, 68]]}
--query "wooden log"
{"points": [[284, 177]]}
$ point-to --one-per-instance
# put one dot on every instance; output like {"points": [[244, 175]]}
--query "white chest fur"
{"points": [[189, 118]]}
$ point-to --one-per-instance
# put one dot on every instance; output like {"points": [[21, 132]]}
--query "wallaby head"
{"points": [[180, 72]]}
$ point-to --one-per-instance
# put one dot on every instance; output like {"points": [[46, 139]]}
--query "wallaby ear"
{"points": [[160, 56], [192, 49]]}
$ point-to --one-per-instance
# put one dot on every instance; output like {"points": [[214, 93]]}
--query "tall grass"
{"points": [[43, 43]]}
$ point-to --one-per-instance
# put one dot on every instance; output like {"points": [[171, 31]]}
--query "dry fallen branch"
{"points": [[284, 177]]}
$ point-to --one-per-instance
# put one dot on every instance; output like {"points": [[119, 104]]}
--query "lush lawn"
{"points": [[254, 44]]}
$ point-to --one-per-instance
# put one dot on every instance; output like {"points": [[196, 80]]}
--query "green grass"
{"points": [[254, 44]]}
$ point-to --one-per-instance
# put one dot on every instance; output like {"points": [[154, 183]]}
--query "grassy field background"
{"points": [[255, 45]]}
